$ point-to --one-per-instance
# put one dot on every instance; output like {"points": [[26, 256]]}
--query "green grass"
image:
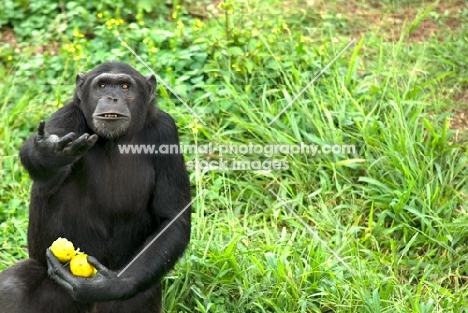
{"points": [[391, 217]]}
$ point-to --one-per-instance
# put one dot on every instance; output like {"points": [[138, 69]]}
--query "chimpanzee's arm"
{"points": [[48, 156]]}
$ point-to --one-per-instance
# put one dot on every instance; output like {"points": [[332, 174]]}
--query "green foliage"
{"points": [[391, 214]]}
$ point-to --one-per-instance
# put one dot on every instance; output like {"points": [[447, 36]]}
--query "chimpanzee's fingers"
{"points": [[89, 144], [40, 130], [91, 141], [76, 145], [65, 140]]}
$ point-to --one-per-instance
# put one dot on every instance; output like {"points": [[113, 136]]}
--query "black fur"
{"points": [[108, 204]]}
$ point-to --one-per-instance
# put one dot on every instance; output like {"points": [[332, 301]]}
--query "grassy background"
{"points": [[388, 224]]}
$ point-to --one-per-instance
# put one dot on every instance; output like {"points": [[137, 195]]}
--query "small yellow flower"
{"points": [[141, 23], [99, 15], [275, 30], [224, 6], [9, 58], [304, 39], [198, 25], [285, 26], [321, 50], [76, 33], [180, 25], [153, 50], [195, 126]]}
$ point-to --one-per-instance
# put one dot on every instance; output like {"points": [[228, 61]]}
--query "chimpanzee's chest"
{"points": [[104, 205], [115, 182]]}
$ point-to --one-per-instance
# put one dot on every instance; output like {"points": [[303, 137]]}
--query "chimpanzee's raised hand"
{"points": [[48, 145]]}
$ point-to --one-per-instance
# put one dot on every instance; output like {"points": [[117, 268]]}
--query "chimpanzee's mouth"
{"points": [[111, 116]]}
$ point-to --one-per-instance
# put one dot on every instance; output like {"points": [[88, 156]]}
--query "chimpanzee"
{"points": [[109, 204]]}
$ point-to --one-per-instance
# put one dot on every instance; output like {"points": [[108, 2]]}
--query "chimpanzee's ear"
{"points": [[151, 84], [80, 78]]}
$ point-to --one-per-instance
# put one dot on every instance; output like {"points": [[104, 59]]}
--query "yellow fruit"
{"points": [[63, 249], [79, 266]]}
